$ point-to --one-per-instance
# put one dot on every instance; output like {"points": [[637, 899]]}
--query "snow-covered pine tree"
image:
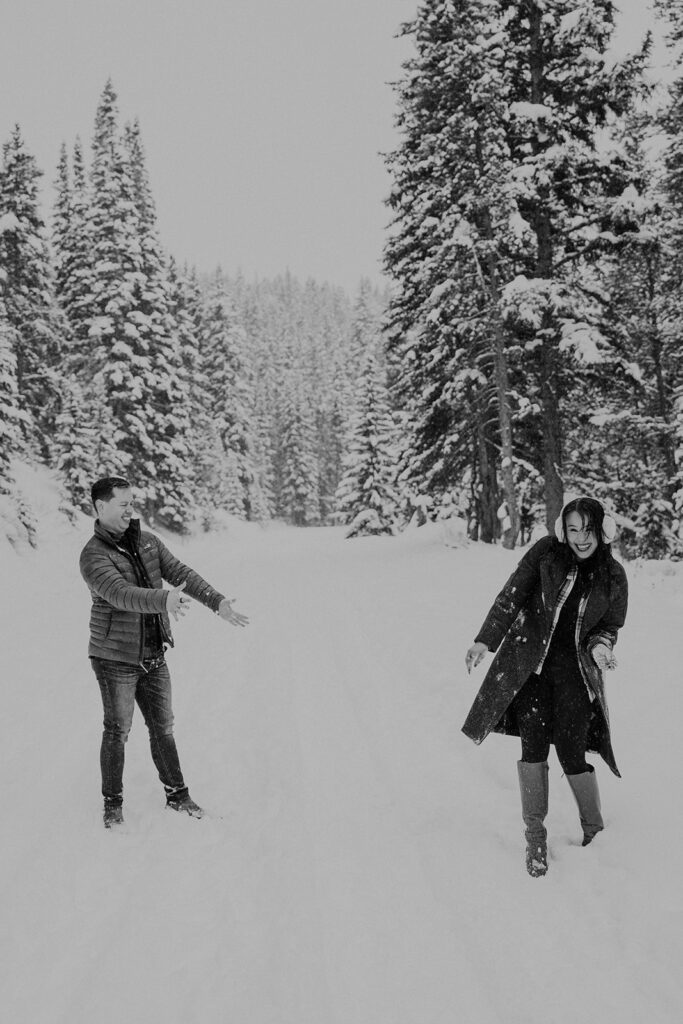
{"points": [[77, 443], [118, 363], [332, 427], [117, 299], [230, 402], [341, 345], [254, 306], [166, 407], [449, 197], [231, 486], [11, 414], [367, 499], [30, 307], [185, 305], [621, 443], [655, 536], [671, 307], [505, 111], [369, 310], [61, 219], [73, 258], [259, 489], [296, 462], [569, 99]]}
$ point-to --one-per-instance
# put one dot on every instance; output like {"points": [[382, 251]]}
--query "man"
{"points": [[129, 633]]}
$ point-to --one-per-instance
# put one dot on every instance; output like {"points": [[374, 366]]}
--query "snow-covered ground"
{"points": [[363, 861]]}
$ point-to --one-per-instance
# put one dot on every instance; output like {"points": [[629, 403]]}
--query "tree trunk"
{"points": [[504, 415], [552, 436], [666, 443], [549, 357], [488, 498], [489, 283]]}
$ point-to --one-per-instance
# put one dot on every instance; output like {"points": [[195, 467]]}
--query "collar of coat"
{"points": [[132, 532]]}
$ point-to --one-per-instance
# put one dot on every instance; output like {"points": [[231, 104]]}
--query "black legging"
{"points": [[554, 707]]}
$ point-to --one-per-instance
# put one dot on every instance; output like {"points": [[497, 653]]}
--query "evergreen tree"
{"points": [[116, 293], [72, 247], [448, 252], [255, 316], [230, 402], [169, 493], [78, 444], [332, 427], [502, 192], [621, 444], [11, 415], [349, 363], [61, 220], [567, 98], [367, 498], [185, 306], [30, 309], [297, 469], [670, 320]]}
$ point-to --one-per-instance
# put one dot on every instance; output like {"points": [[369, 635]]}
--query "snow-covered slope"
{"points": [[362, 862]]}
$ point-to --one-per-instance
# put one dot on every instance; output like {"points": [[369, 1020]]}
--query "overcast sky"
{"points": [[263, 120]]}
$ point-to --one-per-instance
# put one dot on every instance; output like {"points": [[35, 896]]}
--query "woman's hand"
{"points": [[603, 657], [474, 655]]}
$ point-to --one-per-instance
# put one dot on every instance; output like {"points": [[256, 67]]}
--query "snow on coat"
{"points": [[520, 623]]}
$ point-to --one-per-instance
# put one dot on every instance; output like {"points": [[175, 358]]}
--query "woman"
{"points": [[556, 622]]}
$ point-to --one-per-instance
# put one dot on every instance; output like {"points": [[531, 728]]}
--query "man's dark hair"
{"points": [[103, 489]]}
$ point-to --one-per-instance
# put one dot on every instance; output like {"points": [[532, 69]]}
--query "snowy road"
{"points": [[363, 861]]}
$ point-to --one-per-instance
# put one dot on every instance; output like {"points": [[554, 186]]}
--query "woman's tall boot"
{"points": [[587, 796], [533, 787]]}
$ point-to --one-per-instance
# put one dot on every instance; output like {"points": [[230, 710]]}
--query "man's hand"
{"points": [[603, 657], [474, 655], [177, 602], [225, 610]]}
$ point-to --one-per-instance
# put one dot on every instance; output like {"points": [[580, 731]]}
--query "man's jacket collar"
{"points": [[132, 531]]}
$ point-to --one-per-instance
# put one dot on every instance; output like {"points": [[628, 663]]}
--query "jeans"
{"points": [[121, 686], [554, 707]]}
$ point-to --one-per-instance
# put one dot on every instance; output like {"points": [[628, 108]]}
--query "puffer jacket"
{"points": [[120, 600], [520, 625]]}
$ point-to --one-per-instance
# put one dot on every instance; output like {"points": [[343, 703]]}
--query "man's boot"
{"points": [[113, 813], [180, 800], [587, 796], [533, 787]]}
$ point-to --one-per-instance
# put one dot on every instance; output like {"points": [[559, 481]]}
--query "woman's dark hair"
{"points": [[592, 515], [103, 489]]}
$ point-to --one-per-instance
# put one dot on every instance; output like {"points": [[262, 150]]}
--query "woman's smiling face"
{"points": [[580, 535]]}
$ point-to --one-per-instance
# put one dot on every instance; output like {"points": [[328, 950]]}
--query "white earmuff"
{"points": [[609, 527]]}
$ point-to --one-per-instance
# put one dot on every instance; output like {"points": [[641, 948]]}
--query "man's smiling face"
{"points": [[116, 514]]}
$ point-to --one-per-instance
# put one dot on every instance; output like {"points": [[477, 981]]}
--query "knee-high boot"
{"points": [[587, 796], [533, 787]]}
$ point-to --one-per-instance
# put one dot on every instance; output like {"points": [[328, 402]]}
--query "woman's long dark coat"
{"points": [[520, 623]]}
